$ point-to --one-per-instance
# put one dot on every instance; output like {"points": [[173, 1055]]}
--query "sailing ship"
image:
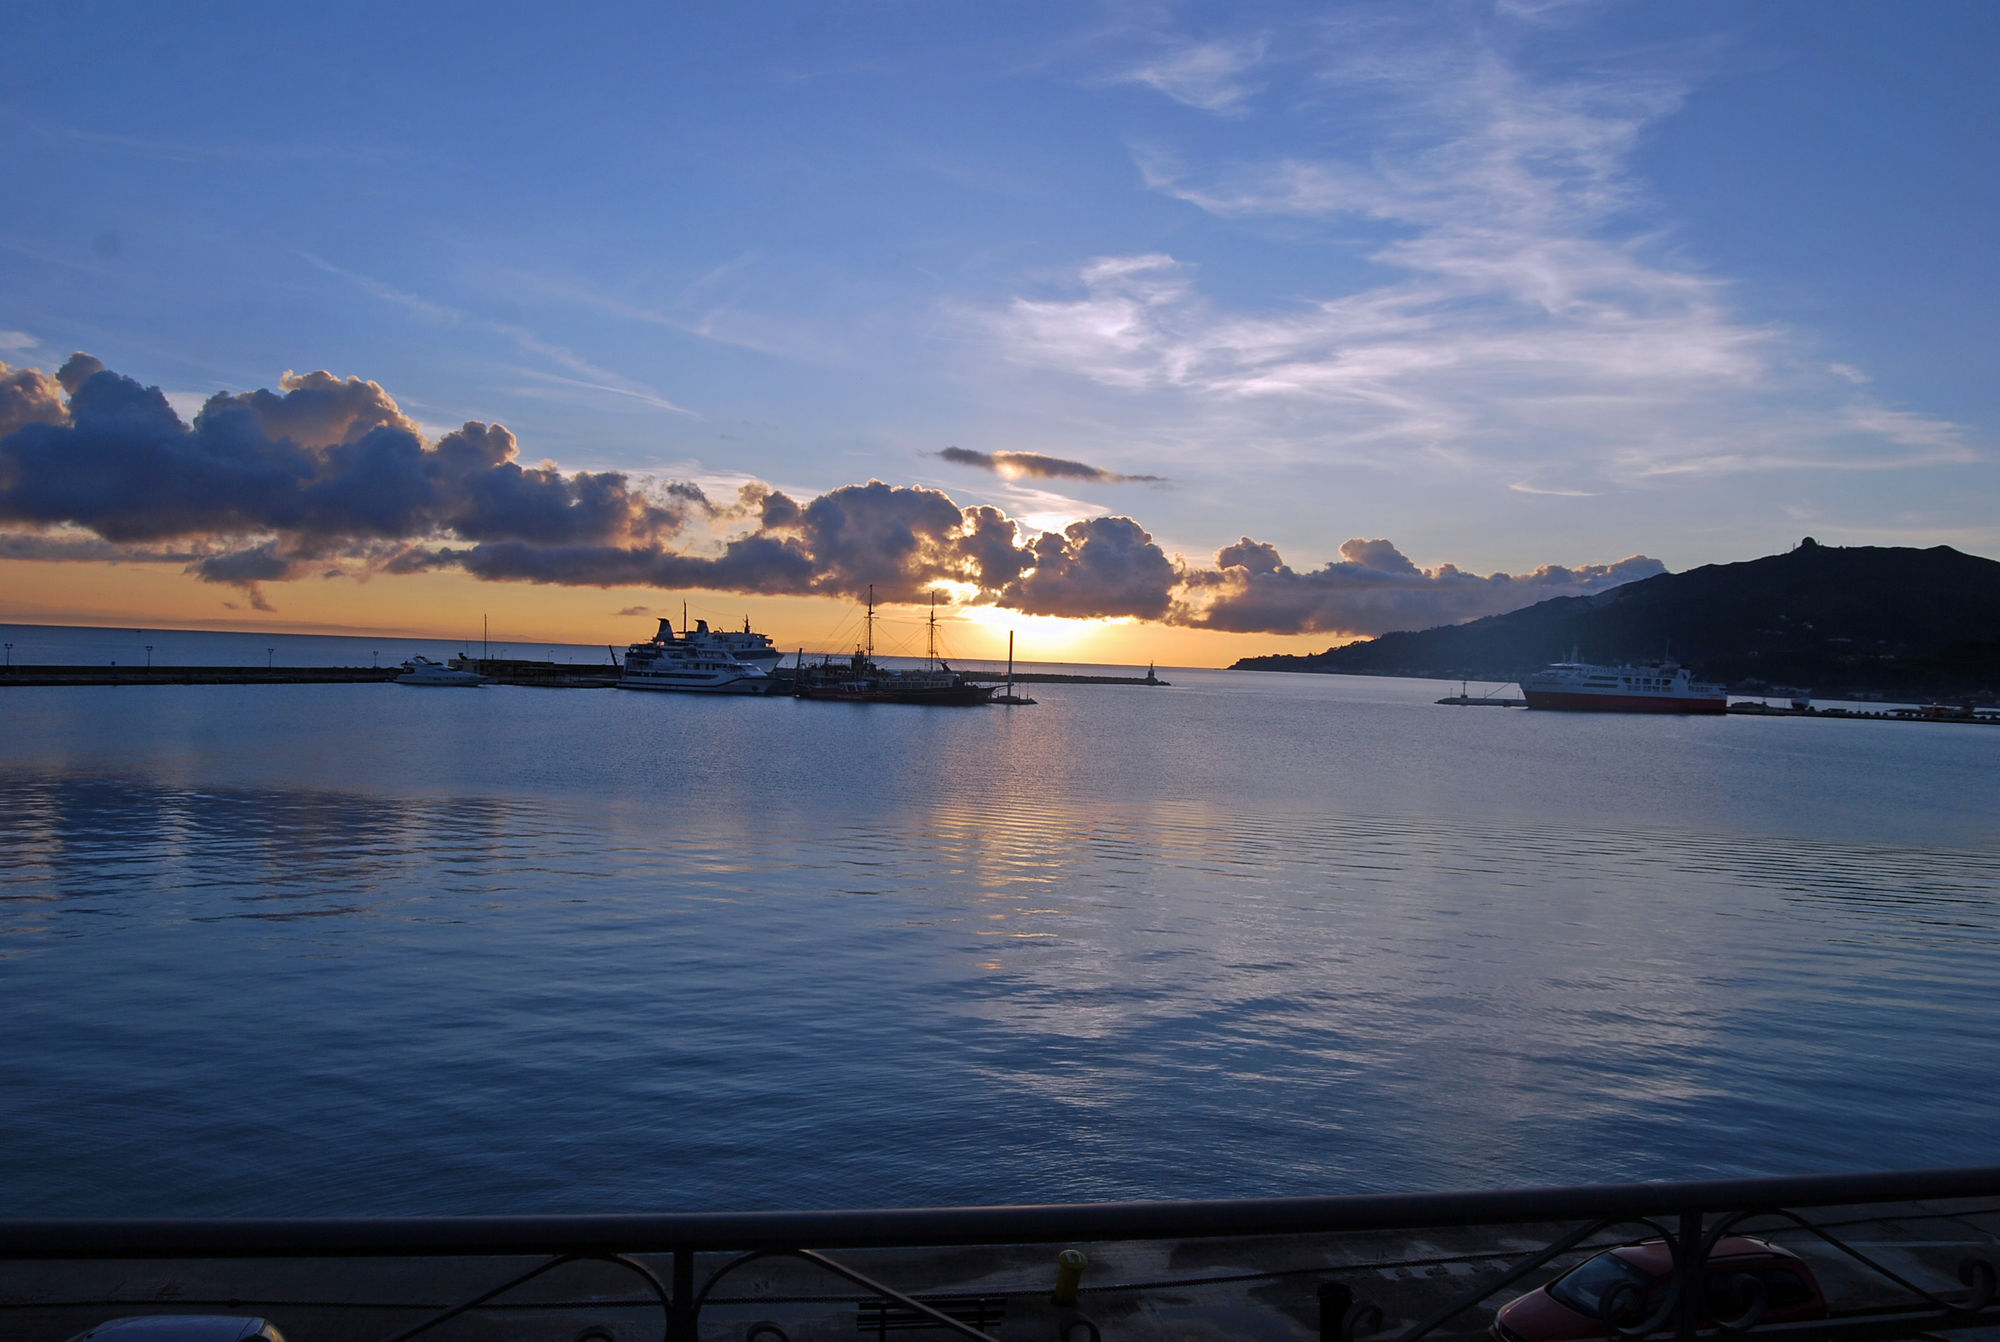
{"points": [[859, 680]]}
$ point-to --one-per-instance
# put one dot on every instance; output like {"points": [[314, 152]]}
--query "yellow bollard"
{"points": [[1070, 1264]]}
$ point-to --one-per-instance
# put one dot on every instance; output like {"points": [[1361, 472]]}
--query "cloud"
{"points": [[1106, 566], [1514, 309], [583, 375], [1035, 466], [1373, 589], [326, 475], [29, 396], [324, 457], [318, 409], [1207, 75]]}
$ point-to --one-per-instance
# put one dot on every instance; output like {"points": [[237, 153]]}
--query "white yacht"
{"points": [[422, 670], [668, 663]]}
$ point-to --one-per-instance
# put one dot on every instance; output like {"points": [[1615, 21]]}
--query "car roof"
{"points": [[1654, 1257]]}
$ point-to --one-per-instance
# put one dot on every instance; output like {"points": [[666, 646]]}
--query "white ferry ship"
{"points": [[1648, 687], [668, 663], [744, 646]]}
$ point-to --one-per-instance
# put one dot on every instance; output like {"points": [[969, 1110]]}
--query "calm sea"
{"points": [[373, 949]]}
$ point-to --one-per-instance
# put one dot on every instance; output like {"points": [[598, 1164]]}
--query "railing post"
{"points": [[1335, 1300], [680, 1314], [1693, 1277]]}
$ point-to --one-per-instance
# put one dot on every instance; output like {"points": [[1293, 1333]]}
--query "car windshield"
{"points": [[1584, 1287]]}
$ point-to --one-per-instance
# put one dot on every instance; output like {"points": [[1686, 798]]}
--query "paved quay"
{"points": [[1253, 1289]]}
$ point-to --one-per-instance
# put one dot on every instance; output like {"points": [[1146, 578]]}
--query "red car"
{"points": [[1631, 1280]]}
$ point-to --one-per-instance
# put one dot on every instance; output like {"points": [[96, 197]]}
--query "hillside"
{"points": [[1899, 622]]}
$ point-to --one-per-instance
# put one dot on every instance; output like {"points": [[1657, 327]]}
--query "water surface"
{"points": [[366, 948]]}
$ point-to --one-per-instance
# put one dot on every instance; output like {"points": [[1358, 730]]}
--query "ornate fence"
{"points": [[1689, 1219]]}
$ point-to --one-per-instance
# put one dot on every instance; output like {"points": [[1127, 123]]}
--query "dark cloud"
{"points": [[36, 545], [1102, 567], [78, 369], [241, 568], [327, 458], [1374, 589], [316, 409], [1035, 466], [327, 475]]}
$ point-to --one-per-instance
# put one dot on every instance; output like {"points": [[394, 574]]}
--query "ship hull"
{"points": [[697, 685], [1579, 702]]}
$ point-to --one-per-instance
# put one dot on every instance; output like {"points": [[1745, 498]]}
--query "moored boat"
{"points": [[753, 649], [664, 662], [858, 680], [1644, 687], [422, 670]]}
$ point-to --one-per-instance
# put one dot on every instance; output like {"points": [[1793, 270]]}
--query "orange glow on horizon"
{"points": [[449, 606]]}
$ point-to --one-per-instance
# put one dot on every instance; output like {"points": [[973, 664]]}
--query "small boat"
{"points": [[1644, 687], [664, 662], [860, 681], [422, 670], [1009, 697]]}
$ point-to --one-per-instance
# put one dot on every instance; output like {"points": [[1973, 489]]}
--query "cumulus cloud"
{"points": [[29, 396], [321, 462], [1035, 466], [327, 476], [1103, 566], [316, 409], [1373, 589]]}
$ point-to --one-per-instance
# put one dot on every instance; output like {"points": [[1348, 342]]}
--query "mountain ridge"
{"points": [[1869, 620]]}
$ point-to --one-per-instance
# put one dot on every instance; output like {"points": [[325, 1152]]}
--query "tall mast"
{"points": [[1010, 663], [930, 653], [871, 621]]}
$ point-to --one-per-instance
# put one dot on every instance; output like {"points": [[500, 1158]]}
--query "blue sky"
{"points": [[1507, 285]]}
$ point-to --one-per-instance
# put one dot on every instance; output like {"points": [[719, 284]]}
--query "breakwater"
{"points": [[195, 675], [498, 671]]}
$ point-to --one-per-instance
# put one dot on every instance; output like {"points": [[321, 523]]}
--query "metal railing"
{"points": [[1690, 1218]]}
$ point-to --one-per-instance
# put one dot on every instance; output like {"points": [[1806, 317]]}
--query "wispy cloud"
{"points": [[1209, 75], [1531, 316], [238, 151], [586, 376]]}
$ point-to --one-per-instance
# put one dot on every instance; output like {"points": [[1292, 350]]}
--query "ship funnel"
{"points": [[666, 632]]}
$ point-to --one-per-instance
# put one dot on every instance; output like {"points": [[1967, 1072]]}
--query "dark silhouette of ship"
{"points": [[859, 680]]}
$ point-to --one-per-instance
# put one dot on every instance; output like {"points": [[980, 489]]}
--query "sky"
{"points": [[1149, 331]]}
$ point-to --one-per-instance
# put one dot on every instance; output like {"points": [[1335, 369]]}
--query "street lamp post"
{"points": [[149, 657], [269, 653], [10, 654]]}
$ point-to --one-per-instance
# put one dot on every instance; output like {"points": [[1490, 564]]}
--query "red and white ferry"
{"points": [[1649, 687]]}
